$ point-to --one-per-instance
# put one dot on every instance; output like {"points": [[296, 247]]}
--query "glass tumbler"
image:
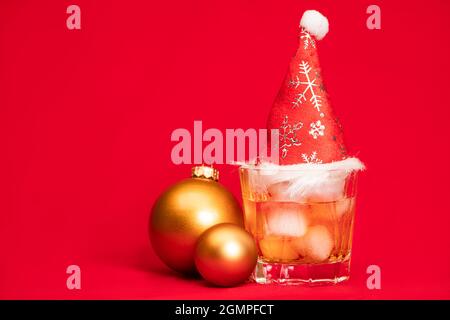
{"points": [[302, 223]]}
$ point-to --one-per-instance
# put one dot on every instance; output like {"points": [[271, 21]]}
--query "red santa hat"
{"points": [[309, 132], [313, 160]]}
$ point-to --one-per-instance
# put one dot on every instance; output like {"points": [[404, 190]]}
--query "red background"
{"points": [[86, 118]]}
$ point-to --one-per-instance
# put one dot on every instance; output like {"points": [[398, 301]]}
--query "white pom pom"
{"points": [[315, 23]]}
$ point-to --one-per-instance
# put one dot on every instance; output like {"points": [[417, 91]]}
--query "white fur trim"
{"points": [[315, 23], [306, 180], [347, 165]]}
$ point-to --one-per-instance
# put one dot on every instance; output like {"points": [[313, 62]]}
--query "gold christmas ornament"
{"points": [[184, 211], [226, 255]]}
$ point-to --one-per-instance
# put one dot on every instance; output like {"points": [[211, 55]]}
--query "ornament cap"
{"points": [[205, 173]]}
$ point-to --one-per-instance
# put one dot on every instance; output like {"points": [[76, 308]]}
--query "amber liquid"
{"points": [[303, 233]]}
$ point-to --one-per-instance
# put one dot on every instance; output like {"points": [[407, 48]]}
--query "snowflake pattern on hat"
{"points": [[288, 136], [317, 129], [308, 86], [307, 39], [311, 158]]}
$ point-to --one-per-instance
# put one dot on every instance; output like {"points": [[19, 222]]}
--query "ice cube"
{"points": [[323, 213], [316, 245], [281, 191], [329, 212], [317, 186], [277, 248], [278, 191], [344, 206], [285, 218], [326, 191]]}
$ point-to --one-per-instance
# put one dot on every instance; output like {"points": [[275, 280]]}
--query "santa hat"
{"points": [[309, 131], [311, 140]]}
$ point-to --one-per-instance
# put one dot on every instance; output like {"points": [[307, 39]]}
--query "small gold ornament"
{"points": [[184, 211], [226, 255]]}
